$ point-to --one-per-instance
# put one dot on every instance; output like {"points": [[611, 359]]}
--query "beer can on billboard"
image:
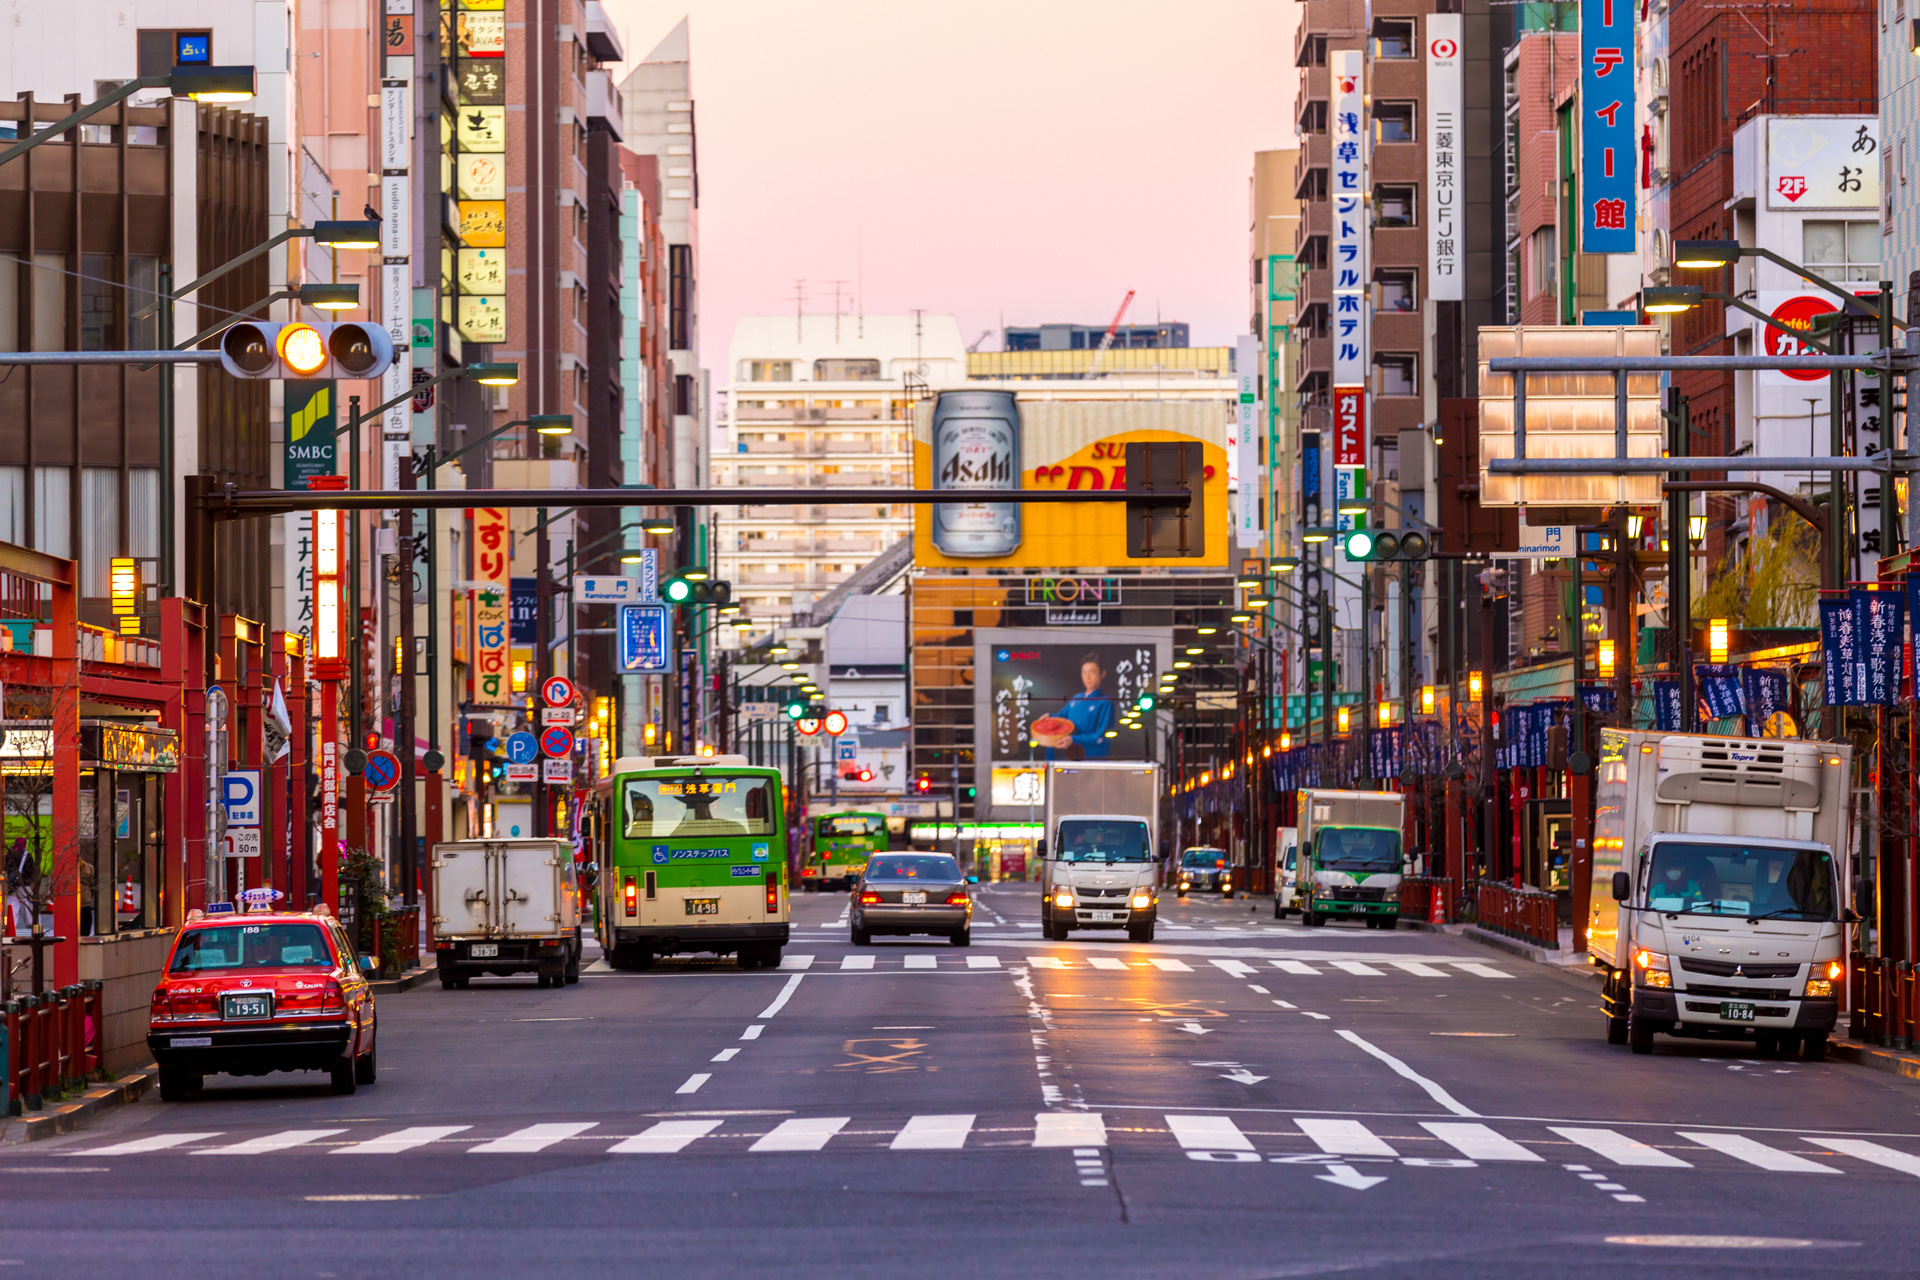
{"points": [[976, 445]]}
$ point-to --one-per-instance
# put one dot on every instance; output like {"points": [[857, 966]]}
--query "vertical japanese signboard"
{"points": [[1447, 267], [1246, 499], [480, 138], [1608, 148], [1347, 177], [492, 685]]}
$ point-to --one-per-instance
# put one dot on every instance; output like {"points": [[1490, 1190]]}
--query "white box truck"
{"points": [[505, 906], [1101, 849], [1350, 861], [1715, 907]]}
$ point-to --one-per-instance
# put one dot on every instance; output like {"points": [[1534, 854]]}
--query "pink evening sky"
{"points": [[1016, 160]]}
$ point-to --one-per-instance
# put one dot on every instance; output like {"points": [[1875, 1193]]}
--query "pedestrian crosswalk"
{"points": [[1251, 1136], [934, 961]]}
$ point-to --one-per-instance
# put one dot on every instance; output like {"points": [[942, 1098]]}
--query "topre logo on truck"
{"points": [[662, 854]]}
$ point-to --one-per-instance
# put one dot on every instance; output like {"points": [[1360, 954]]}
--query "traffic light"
{"points": [[923, 784], [1377, 545], [797, 705], [1143, 703], [684, 590], [296, 349]]}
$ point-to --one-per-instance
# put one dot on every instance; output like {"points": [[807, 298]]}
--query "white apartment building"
{"points": [[821, 402]]}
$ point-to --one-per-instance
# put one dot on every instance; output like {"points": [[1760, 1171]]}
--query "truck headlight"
{"points": [[1063, 900], [1226, 883], [1653, 970], [1819, 988], [1141, 900]]}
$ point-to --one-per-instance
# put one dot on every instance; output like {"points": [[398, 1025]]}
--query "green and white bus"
{"points": [[692, 856], [842, 843]]}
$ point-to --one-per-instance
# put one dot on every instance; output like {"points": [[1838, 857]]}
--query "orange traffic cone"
{"points": [[1437, 907]]}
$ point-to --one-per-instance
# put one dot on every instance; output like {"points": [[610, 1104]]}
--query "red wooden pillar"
{"points": [[63, 707]]}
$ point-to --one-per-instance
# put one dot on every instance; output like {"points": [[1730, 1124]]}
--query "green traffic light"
{"points": [[795, 710], [677, 591], [1359, 545], [1144, 702]]}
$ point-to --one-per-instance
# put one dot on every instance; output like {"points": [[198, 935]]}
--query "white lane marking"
{"points": [[1256, 987], [1477, 1141], [752, 1032], [856, 962], [922, 962], [1300, 967], [1105, 962], [1872, 1153], [933, 1133], [1619, 1148], [270, 1142], [725, 1055], [1744, 1148], [535, 1137], [694, 1082], [1478, 969], [1400, 1068], [399, 1140], [786, 994], [1343, 1137], [1318, 1017], [1631, 1199], [1238, 968], [1418, 968], [1286, 1004], [1208, 1133], [1359, 968], [983, 962], [664, 1138], [159, 1142], [797, 962], [1169, 964], [1069, 1129], [1046, 962], [801, 1135]]}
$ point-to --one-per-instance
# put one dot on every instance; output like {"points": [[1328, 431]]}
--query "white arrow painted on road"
{"points": [[1242, 1076], [1194, 1027], [1343, 1175]]}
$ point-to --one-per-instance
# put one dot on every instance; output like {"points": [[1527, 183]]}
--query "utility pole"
{"points": [[542, 660], [1680, 563]]}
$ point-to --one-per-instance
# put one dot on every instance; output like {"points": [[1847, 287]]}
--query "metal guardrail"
{"points": [[51, 1044], [1532, 915], [1417, 894], [396, 941], [1884, 1001]]}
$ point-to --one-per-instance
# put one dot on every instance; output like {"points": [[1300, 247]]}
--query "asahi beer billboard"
{"points": [[990, 439]]}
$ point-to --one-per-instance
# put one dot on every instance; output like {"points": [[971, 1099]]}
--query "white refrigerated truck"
{"points": [[1716, 904], [1101, 851], [505, 906]]}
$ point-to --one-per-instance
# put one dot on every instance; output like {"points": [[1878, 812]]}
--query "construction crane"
{"points": [[975, 344], [1106, 339]]}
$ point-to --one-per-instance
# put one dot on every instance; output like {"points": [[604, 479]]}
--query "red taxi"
{"points": [[248, 993]]}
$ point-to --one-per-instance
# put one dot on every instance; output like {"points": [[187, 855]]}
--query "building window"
{"points": [[846, 370], [1314, 119], [100, 531], [143, 512], [1543, 262], [13, 505], [53, 510], [1396, 291], [49, 302], [1841, 250], [1393, 121], [143, 292], [99, 303], [1393, 206], [680, 297], [766, 371], [1394, 376], [683, 394], [1393, 38]]}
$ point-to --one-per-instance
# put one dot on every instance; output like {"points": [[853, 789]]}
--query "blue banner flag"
{"points": [[1383, 753], [1599, 699], [1608, 150], [1668, 713], [1839, 653], [1720, 690], [1881, 621], [1766, 695]]}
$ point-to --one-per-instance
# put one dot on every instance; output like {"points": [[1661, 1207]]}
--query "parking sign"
{"points": [[240, 789]]}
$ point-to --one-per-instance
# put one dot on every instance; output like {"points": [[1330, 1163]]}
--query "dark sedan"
{"points": [[902, 893]]}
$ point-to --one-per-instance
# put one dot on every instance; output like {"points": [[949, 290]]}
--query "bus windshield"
{"points": [[1754, 881], [1093, 840], [1359, 849], [690, 807], [850, 825]]}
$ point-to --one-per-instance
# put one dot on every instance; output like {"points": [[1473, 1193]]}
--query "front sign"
{"points": [[1347, 184], [1823, 162], [646, 639], [240, 790], [1544, 542], [1246, 454], [557, 691], [588, 590], [1446, 259], [492, 670], [1608, 148], [310, 426]]}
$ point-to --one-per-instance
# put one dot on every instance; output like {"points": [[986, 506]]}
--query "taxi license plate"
{"points": [[914, 897], [1735, 1012], [703, 906], [247, 1006], [484, 950], [1101, 917]]}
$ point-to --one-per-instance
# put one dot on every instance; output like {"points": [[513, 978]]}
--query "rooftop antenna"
{"points": [[917, 313], [838, 285], [860, 279], [799, 307]]}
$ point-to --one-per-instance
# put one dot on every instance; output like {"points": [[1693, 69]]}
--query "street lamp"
{"points": [[1717, 640], [185, 80]]}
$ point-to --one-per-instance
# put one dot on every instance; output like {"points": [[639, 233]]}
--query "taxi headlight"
{"points": [[1819, 988]]}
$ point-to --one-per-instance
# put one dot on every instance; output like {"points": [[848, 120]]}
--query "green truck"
{"points": [[1350, 860]]}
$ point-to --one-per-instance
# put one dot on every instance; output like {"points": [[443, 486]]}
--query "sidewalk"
{"points": [[68, 1116]]}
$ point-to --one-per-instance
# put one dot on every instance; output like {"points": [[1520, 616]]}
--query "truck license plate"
{"points": [[248, 1006], [1104, 917], [914, 897], [1736, 1012], [703, 906], [484, 950]]}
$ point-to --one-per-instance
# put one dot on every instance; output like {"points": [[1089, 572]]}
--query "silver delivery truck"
{"points": [[1100, 854], [505, 906], [1716, 908]]}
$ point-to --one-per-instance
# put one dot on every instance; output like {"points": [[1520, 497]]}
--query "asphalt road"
{"points": [[1241, 1098]]}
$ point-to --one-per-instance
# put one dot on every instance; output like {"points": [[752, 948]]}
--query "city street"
{"points": [[1243, 1097]]}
